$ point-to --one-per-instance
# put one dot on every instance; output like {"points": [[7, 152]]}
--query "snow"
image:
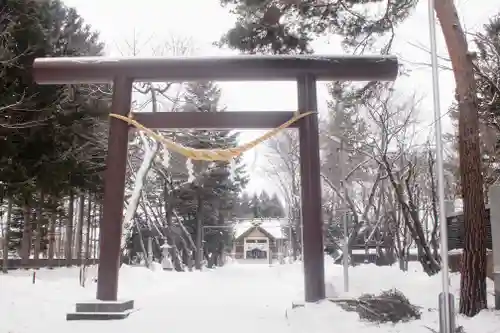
{"points": [[150, 152], [273, 226], [236, 298]]}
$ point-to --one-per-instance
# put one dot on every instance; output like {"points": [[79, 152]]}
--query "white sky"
{"points": [[154, 21]]}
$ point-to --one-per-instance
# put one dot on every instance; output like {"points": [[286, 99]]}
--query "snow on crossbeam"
{"points": [[66, 70]]}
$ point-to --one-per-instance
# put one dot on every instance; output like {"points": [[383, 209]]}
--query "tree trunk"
{"points": [[88, 229], [199, 235], [434, 198], [187, 256], [68, 245], [296, 213], [96, 228], [150, 153], [60, 238], [184, 238], [52, 236], [219, 253], [411, 218], [389, 251], [430, 265], [93, 230], [26, 238], [79, 233], [143, 246], [404, 246], [6, 237], [473, 279], [38, 235], [171, 239]]}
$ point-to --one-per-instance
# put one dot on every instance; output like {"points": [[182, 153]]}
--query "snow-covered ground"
{"points": [[238, 298]]}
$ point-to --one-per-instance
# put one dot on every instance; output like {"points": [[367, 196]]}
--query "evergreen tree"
{"points": [[260, 206], [51, 136], [244, 209], [288, 26], [276, 208], [270, 207], [211, 199], [487, 73], [16, 228], [264, 204], [255, 206], [486, 102]]}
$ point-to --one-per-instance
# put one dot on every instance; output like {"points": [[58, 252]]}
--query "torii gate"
{"points": [[306, 70]]}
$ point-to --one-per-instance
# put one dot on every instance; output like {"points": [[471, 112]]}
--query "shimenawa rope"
{"points": [[211, 154]]}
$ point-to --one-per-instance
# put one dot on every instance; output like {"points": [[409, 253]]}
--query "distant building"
{"points": [[260, 238]]}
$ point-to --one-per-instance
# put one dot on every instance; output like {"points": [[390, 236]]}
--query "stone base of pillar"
{"points": [[102, 310]]}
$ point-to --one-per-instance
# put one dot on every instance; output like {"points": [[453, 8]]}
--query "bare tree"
{"points": [[284, 168], [395, 152], [351, 176], [387, 172]]}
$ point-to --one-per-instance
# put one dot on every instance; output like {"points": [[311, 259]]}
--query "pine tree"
{"points": [[269, 207], [488, 99], [485, 103], [244, 209], [16, 229], [289, 26], [53, 148], [255, 206], [211, 198], [264, 204], [276, 207]]}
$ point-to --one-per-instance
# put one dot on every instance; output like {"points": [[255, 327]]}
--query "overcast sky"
{"points": [[154, 21]]}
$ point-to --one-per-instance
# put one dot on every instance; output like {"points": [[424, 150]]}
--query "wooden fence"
{"points": [[13, 264], [455, 223]]}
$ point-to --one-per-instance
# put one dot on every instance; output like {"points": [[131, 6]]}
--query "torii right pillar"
{"points": [[310, 178]]}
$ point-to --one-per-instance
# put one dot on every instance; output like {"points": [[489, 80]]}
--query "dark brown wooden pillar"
{"points": [[114, 186], [312, 221]]}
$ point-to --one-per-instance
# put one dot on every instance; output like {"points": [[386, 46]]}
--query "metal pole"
{"points": [[446, 298], [345, 216], [346, 252], [149, 260]]}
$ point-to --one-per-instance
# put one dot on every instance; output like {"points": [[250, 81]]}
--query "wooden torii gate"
{"points": [[306, 70]]}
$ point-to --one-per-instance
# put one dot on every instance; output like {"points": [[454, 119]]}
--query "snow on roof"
{"points": [[274, 226]]}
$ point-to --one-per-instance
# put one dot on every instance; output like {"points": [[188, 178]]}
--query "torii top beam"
{"points": [[78, 70]]}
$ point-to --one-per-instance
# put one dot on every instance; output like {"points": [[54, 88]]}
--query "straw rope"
{"points": [[211, 154]]}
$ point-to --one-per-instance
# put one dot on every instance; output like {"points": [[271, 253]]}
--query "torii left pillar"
{"points": [[107, 305]]}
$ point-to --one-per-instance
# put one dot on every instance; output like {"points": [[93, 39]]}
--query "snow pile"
{"points": [[389, 306], [421, 291]]}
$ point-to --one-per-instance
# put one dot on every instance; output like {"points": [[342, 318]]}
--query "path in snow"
{"points": [[243, 298]]}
